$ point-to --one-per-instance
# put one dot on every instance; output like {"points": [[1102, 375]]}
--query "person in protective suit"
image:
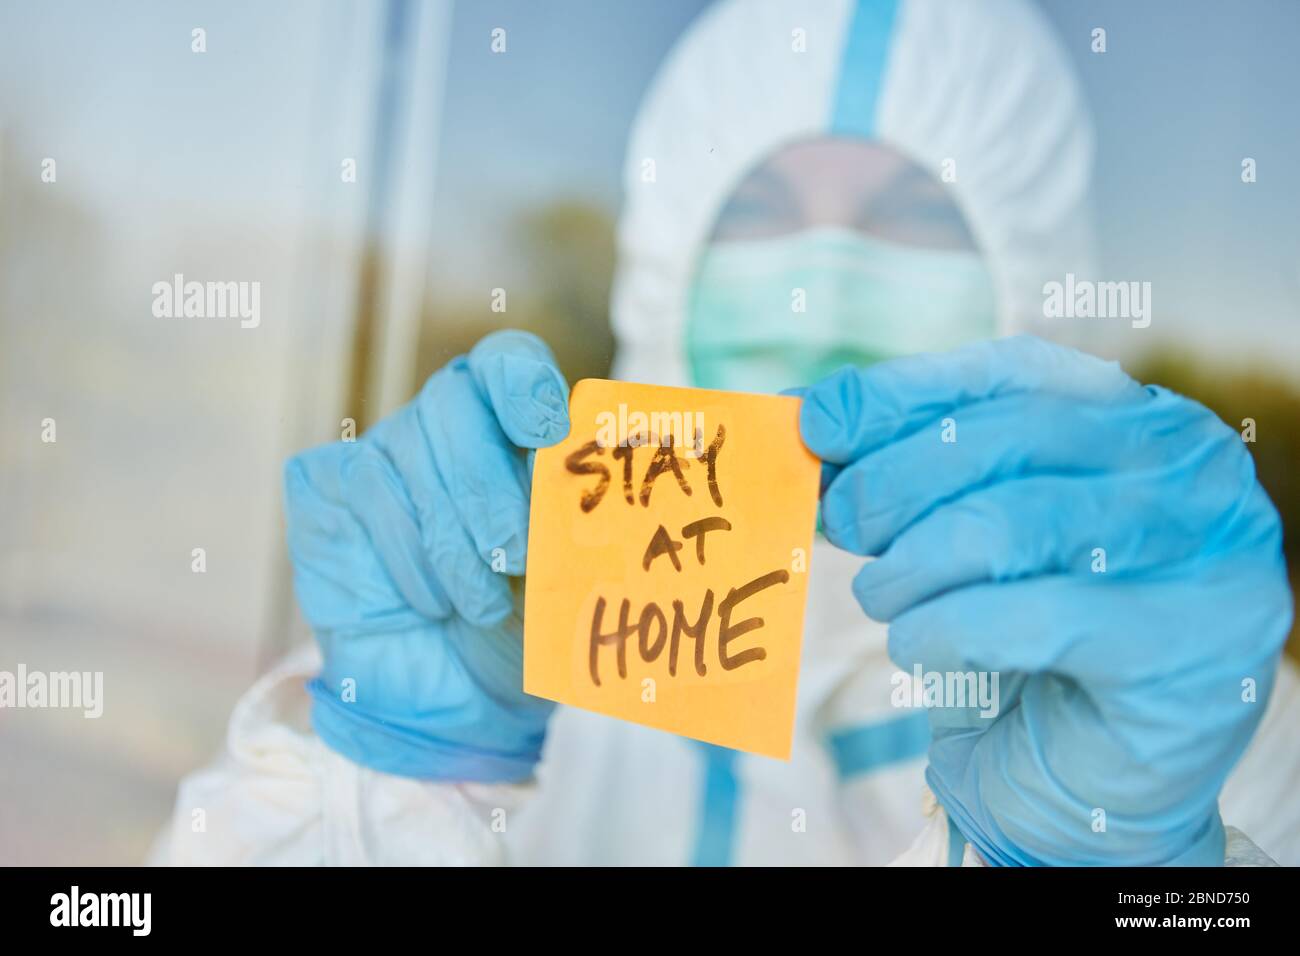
{"points": [[863, 201]]}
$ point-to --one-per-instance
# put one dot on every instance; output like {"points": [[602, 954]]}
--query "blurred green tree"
{"points": [[1235, 395], [566, 251]]}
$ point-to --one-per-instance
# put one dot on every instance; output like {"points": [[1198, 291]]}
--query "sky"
{"points": [[1185, 91], [547, 121]]}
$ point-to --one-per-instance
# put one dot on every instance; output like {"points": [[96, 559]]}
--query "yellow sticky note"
{"points": [[668, 558]]}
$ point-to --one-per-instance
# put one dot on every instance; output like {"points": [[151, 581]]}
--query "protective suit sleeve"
{"points": [[277, 796], [939, 844]]}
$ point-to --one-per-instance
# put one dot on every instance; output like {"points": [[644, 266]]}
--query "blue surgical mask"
{"points": [[770, 314]]}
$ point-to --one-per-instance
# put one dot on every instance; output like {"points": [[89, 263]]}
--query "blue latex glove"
{"points": [[1121, 691], [402, 543]]}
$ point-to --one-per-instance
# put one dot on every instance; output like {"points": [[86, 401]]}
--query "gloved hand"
{"points": [[1125, 693], [402, 543]]}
